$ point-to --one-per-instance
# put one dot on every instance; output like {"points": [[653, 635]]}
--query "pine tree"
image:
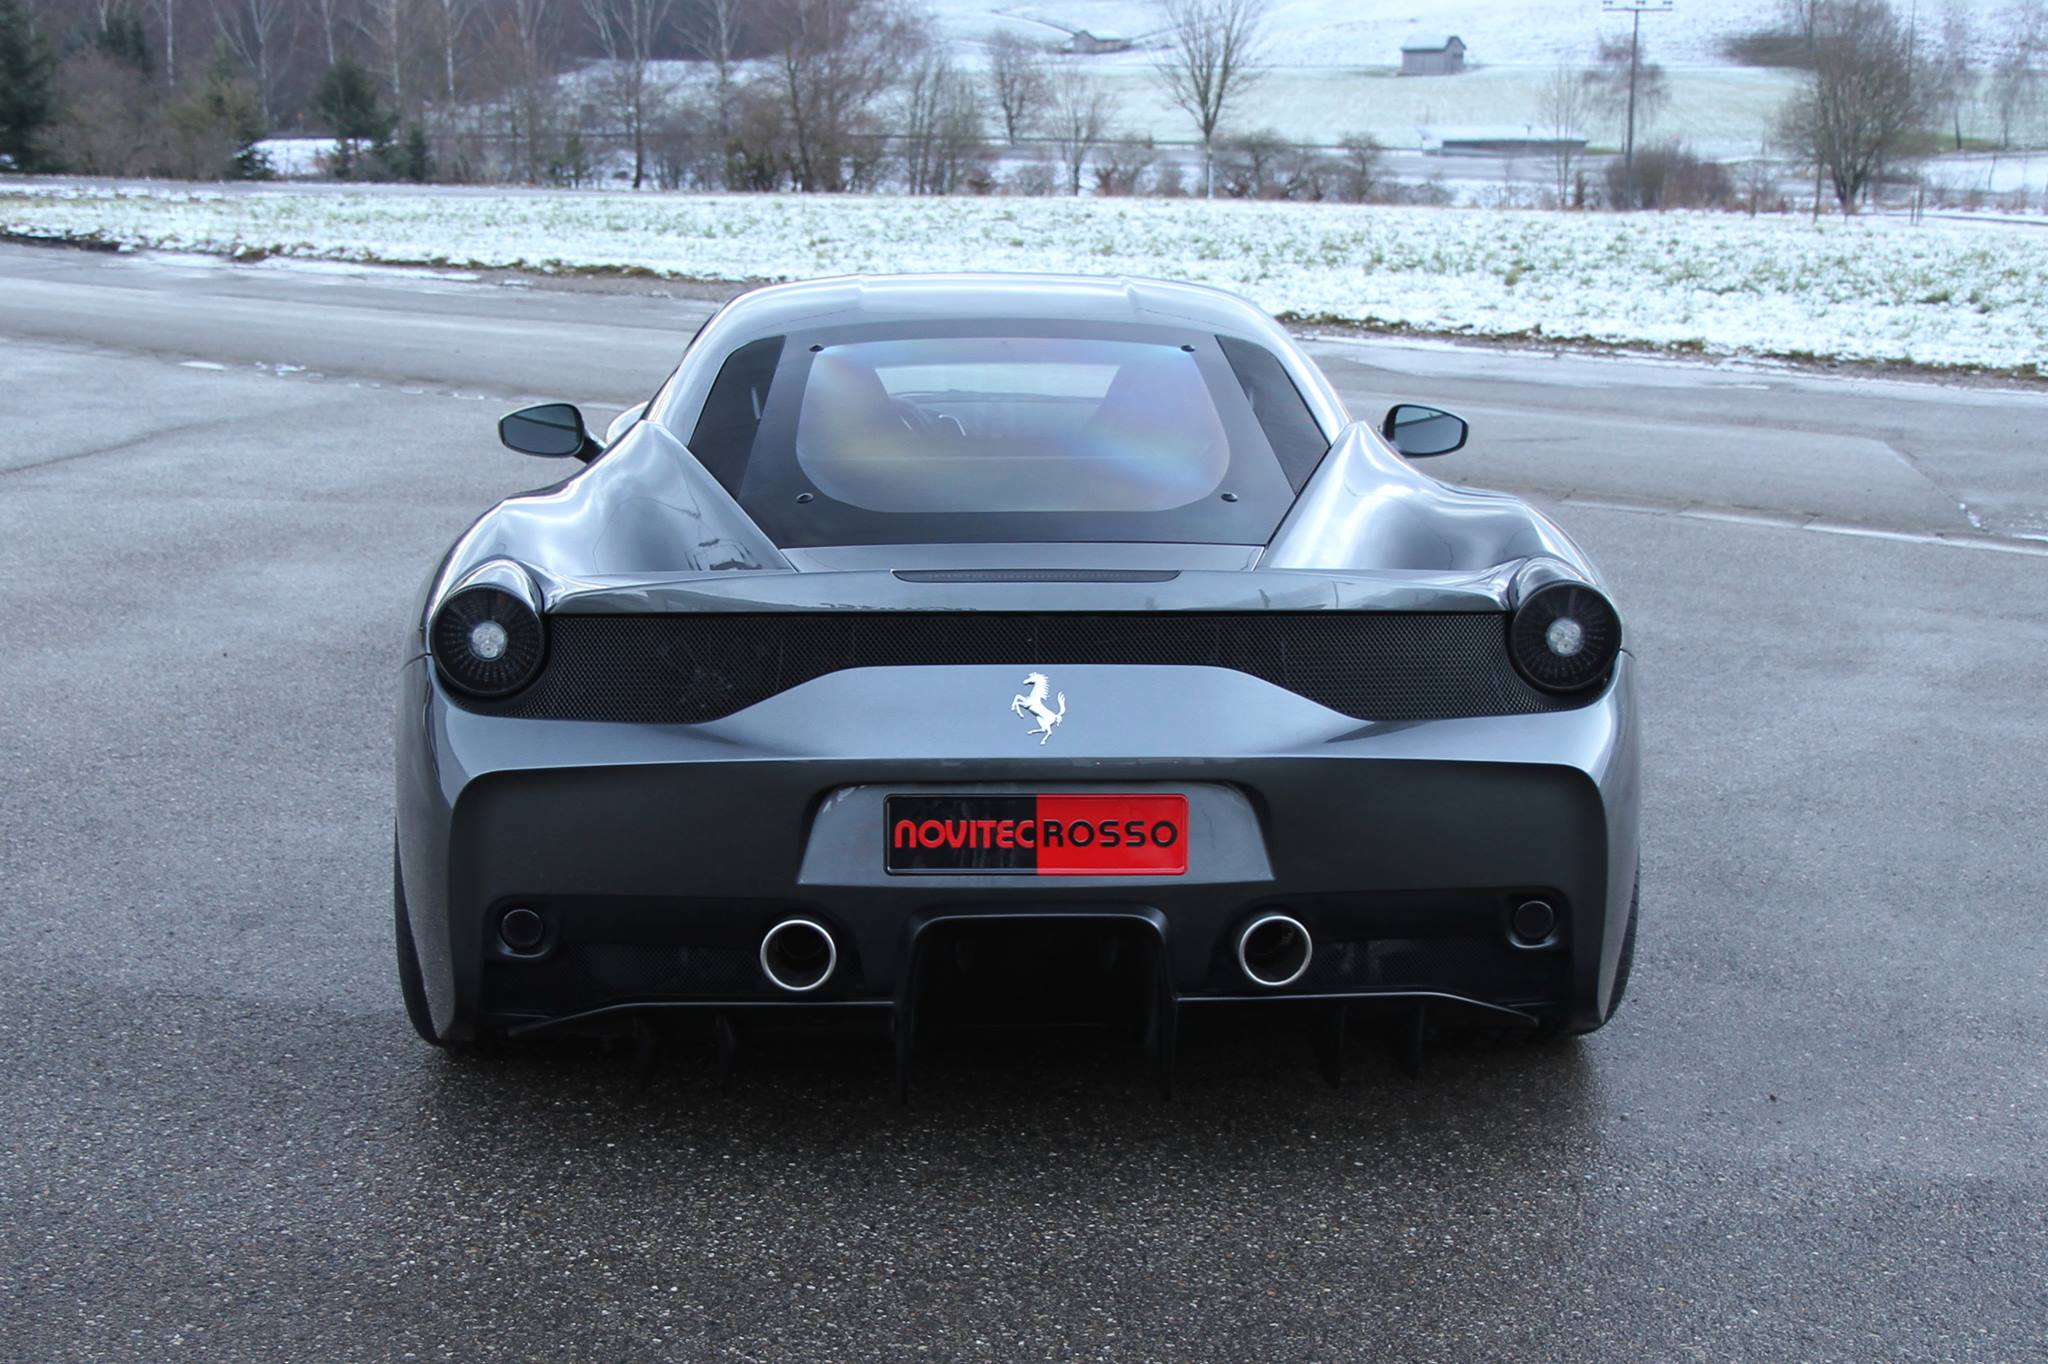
{"points": [[222, 121], [413, 160], [347, 99], [25, 101]]}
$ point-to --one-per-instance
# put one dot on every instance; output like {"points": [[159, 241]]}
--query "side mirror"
{"points": [[551, 430], [1417, 431]]}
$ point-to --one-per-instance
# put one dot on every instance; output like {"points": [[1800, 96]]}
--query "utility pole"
{"points": [[1635, 9]]}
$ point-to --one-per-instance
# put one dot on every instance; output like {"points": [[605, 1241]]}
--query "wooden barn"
{"points": [[1433, 55], [1088, 44]]}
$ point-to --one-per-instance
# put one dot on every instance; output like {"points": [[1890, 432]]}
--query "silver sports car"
{"points": [[1008, 643]]}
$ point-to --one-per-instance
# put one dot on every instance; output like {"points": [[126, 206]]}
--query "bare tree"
{"points": [[330, 15], [109, 21], [1667, 176], [383, 23], [455, 16], [1211, 59], [1627, 87], [1078, 119], [1310, 174], [1265, 165], [712, 27], [942, 127], [1564, 106], [1123, 165], [520, 52], [1018, 74], [1802, 18], [1758, 180], [258, 32], [757, 146], [1952, 82], [1359, 168], [2014, 92], [629, 31], [1250, 165], [831, 62], [106, 128], [1863, 96], [167, 18]]}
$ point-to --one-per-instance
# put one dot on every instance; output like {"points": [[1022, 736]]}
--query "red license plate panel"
{"points": [[1046, 835]]}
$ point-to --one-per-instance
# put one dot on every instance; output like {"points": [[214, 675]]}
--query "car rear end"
{"points": [[909, 638], [1379, 797]]}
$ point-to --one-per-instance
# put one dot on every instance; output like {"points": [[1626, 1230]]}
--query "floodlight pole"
{"points": [[1635, 9]]}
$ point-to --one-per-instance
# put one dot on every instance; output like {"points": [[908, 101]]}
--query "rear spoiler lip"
{"points": [[883, 590]]}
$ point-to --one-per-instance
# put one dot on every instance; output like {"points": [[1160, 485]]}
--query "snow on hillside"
{"points": [[1880, 289], [1370, 32], [1332, 65]]}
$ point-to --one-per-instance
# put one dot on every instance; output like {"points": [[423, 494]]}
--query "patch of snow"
{"points": [[296, 158], [2002, 173], [361, 269]]}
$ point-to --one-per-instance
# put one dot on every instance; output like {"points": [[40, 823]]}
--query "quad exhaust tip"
{"points": [[1274, 950], [798, 955]]}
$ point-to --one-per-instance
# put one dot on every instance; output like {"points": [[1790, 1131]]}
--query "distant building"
{"points": [[1087, 44], [1509, 139], [1433, 55]]}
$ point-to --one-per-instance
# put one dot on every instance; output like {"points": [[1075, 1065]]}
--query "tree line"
{"points": [[1878, 91], [837, 95], [815, 95]]}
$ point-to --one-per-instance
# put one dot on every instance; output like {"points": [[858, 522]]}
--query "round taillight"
{"points": [[486, 641], [1564, 636]]}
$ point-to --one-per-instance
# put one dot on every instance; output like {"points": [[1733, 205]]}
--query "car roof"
{"points": [[776, 308]]}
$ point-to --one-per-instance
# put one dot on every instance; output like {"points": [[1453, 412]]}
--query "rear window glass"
{"points": [[950, 431], [1010, 424]]}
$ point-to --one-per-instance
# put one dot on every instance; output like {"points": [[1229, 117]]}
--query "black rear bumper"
{"points": [[605, 958], [658, 857], [645, 905]]}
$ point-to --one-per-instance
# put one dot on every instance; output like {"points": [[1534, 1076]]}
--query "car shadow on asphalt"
{"points": [[1232, 1063]]}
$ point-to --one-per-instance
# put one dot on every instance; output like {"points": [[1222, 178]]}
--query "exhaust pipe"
{"points": [[798, 955], [1274, 950]]}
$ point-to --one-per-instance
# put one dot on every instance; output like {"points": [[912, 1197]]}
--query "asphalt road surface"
{"points": [[1817, 1131]]}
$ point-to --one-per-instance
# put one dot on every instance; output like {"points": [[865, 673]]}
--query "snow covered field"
{"points": [[1938, 293]]}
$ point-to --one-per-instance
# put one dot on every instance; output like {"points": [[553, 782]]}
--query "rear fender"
{"points": [[647, 507], [1366, 509]]}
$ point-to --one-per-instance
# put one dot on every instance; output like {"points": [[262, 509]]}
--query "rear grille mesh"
{"points": [[686, 669]]}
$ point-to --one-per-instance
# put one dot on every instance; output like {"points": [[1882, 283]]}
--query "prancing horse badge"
{"points": [[1029, 704]]}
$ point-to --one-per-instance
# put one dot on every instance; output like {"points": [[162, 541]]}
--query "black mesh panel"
{"points": [[686, 669]]}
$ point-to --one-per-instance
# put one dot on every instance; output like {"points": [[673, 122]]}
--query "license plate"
{"points": [[1092, 835]]}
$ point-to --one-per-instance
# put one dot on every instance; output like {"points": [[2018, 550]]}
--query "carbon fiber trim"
{"points": [[687, 669]]}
